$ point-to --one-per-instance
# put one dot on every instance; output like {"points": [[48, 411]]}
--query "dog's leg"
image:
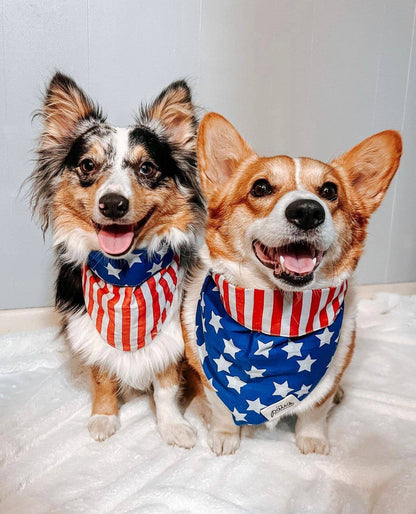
{"points": [[223, 433], [312, 428], [172, 426], [104, 417]]}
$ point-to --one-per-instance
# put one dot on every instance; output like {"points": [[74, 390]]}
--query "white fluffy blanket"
{"points": [[49, 463]]}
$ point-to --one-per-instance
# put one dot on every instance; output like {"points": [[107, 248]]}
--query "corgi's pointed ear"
{"points": [[370, 166], [65, 105], [174, 110], [220, 150]]}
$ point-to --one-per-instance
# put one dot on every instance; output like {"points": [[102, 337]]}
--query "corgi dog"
{"points": [[269, 313], [126, 214]]}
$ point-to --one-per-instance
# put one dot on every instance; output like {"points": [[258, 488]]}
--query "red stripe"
{"points": [[323, 316], [84, 279], [167, 294], [277, 312], [126, 319], [336, 303], [90, 295], [141, 321], [100, 311], [296, 313], [173, 275], [226, 294], [316, 298], [111, 316], [239, 304], [258, 305], [155, 305]]}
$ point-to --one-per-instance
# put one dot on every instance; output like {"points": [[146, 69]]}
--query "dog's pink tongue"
{"points": [[116, 239], [299, 262]]}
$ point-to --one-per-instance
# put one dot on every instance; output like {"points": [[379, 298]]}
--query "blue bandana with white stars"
{"points": [[131, 271], [251, 371]]}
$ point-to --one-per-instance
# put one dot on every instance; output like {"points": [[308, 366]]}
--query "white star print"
{"points": [[202, 302], [281, 389], [135, 259], [239, 416], [230, 348], [111, 270], [222, 364], [263, 348], [255, 405], [202, 351], [254, 372], [204, 328], [235, 383], [293, 349], [163, 250], [303, 390], [215, 321], [325, 337], [305, 364], [155, 268]]}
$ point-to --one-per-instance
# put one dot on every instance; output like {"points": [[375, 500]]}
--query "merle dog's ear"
{"points": [[174, 110], [65, 105]]}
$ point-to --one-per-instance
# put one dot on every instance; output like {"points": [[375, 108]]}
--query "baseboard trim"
{"points": [[25, 320]]}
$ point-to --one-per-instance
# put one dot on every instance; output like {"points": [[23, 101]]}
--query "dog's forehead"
{"points": [[291, 172]]}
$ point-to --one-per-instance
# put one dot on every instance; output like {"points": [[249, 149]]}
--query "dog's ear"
{"points": [[65, 105], [220, 150], [174, 109], [370, 166]]}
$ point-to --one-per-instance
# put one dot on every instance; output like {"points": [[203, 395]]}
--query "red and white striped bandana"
{"points": [[130, 316], [279, 313]]}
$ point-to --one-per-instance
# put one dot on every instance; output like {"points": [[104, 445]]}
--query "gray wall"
{"points": [[296, 77]]}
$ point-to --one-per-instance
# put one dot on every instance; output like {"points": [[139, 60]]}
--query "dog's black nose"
{"points": [[305, 214], [113, 206]]}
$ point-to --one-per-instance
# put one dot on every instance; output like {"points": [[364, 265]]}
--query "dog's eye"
{"points": [[329, 191], [148, 170], [261, 188], [87, 165]]}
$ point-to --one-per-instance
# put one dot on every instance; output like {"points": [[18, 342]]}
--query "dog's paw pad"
{"points": [[102, 426], [178, 434], [313, 445], [223, 443]]}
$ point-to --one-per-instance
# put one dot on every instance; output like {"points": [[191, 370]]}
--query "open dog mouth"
{"points": [[295, 263], [117, 239]]}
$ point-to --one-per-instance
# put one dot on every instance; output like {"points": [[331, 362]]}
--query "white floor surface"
{"points": [[49, 463]]}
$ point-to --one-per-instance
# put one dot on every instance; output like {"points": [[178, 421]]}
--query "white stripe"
{"points": [[95, 289], [330, 307], [266, 321], [232, 301], [169, 281], [134, 320], [248, 308], [118, 319], [306, 309], [324, 297], [105, 300], [286, 314]]}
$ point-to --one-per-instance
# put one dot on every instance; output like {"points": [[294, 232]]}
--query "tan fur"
{"points": [[228, 169], [105, 393]]}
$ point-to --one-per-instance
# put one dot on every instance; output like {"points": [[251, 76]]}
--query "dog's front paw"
{"points": [[178, 434], [313, 444], [102, 426], [223, 443]]}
